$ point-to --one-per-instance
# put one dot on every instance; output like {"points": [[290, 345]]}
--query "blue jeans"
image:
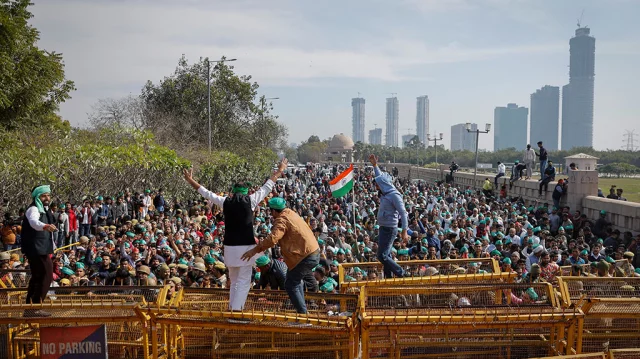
{"points": [[295, 276], [85, 230], [543, 166], [385, 240]]}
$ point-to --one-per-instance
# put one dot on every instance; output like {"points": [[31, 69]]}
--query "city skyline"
{"points": [[578, 94], [544, 118], [461, 139], [510, 127], [440, 48], [358, 119], [422, 118], [392, 118]]}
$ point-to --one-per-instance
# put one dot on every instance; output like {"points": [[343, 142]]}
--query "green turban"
{"points": [[403, 252], [262, 261], [506, 261], [37, 192], [277, 203], [209, 259], [327, 287], [532, 294], [67, 271]]}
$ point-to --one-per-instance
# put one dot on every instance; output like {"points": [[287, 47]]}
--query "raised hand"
{"points": [[373, 159]]}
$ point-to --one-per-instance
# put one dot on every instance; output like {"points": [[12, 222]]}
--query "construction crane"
{"points": [[580, 19]]}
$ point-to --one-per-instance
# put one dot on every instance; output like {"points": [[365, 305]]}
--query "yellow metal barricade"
{"points": [[354, 287], [201, 326], [419, 268], [612, 311], [453, 320], [116, 307], [613, 354]]}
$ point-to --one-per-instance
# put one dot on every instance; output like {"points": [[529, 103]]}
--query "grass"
{"points": [[631, 187]]}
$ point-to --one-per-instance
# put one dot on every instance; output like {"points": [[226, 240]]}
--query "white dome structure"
{"points": [[341, 142], [340, 149]]}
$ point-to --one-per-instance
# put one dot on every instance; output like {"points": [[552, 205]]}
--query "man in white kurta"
{"points": [[238, 211]]}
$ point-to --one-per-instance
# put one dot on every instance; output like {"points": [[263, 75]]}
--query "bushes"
{"points": [[79, 163]]}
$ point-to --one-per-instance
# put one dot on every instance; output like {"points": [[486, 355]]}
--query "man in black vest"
{"points": [[238, 237], [37, 245]]}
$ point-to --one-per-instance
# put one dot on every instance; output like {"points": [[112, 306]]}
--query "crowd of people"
{"points": [[299, 234]]}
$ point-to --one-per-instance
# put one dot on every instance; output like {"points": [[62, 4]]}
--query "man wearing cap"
{"points": [[299, 248], [37, 244], [391, 210], [238, 237], [272, 273], [626, 267]]}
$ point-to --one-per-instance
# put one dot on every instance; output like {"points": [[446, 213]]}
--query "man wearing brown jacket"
{"points": [[299, 249]]}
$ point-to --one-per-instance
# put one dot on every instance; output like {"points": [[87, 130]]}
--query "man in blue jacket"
{"points": [[391, 209]]}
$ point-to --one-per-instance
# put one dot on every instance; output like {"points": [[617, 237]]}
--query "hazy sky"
{"points": [[468, 56]]}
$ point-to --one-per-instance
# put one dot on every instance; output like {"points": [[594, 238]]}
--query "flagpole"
{"points": [[353, 204]]}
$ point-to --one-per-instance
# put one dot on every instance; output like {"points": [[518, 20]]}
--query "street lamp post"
{"points": [[262, 103], [209, 93], [487, 128], [435, 142]]}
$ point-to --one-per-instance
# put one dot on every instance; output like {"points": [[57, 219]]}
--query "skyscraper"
{"points": [[510, 127], [577, 95], [461, 139], [375, 136], [357, 105], [391, 135], [545, 116], [422, 118]]}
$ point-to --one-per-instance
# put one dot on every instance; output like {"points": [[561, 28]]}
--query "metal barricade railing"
{"points": [[14, 278], [200, 325], [586, 268], [354, 287], [116, 307], [612, 311], [625, 353], [419, 268], [612, 354], [484, 320]]}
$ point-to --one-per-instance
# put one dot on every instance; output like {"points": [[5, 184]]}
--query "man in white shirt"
{"points": [[501, 171], [239, 238], [528, 159], [146, 203]]}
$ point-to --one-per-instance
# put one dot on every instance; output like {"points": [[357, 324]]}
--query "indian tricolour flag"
{"points": [[342, 184]]}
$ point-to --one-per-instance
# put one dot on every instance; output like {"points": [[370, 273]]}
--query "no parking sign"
{"points": [[88, 342]]}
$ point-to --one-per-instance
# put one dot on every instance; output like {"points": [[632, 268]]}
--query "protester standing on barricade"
{"points": [[391, 210], [238, 212], [38, 245], [299, 248]]}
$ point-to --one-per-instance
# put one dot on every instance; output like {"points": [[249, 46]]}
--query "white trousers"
{"points": [[240, 285], [530, 166], [239, 273]]}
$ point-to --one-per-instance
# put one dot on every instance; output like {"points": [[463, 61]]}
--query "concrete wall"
{"points": [[624, 215], [582, 193]]}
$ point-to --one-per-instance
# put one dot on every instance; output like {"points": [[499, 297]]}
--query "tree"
{"points": [[619, 169], [175, 110], [32, 80], [123, 112], [313, 138]]}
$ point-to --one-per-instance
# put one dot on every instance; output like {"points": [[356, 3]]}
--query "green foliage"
{"points": [[467, 158], [619, 169], [32, 81], [311, 151], [175, 110], [81, 163]]}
